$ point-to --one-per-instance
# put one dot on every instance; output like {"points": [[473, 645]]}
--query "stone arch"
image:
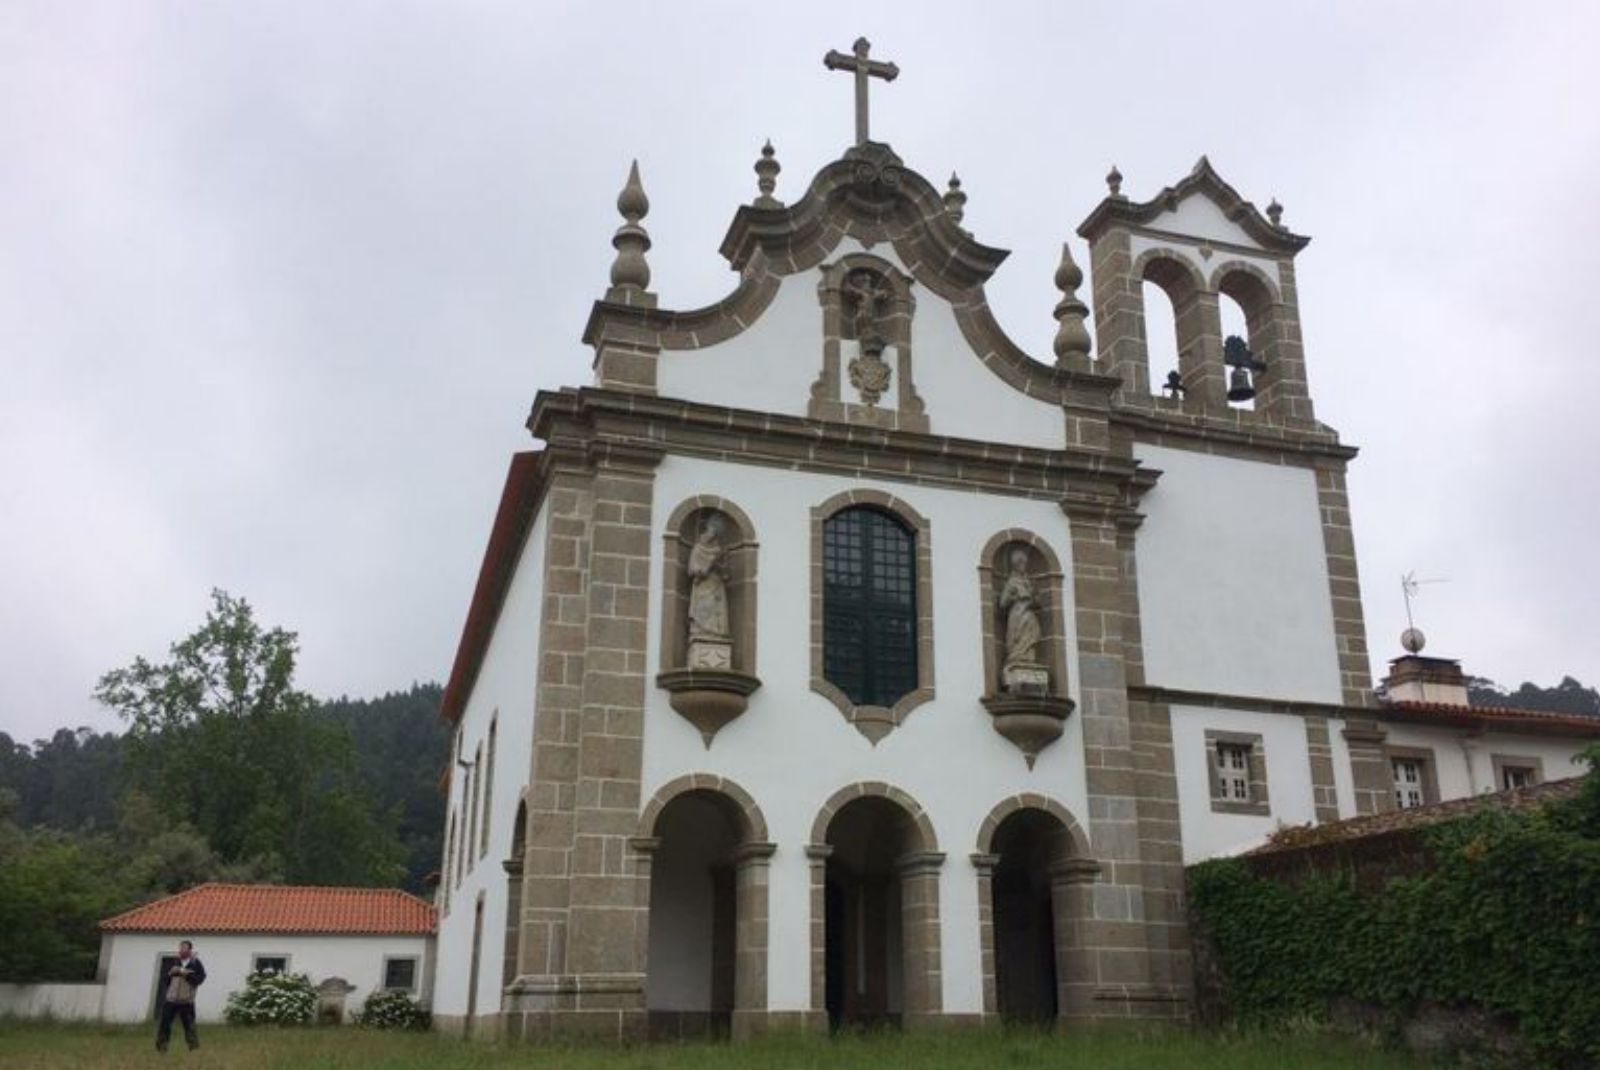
{"points": [[1259, 298], [1198, 328], [1046, 568], [1263, 287], [1035, 892], [875, 722], [752, 823], [1171, 270], [874, 789], [740, 553]]}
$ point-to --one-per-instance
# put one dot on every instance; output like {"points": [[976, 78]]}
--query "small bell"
{"points": [[1174, 387], [1236, 355], [1239, 386]]}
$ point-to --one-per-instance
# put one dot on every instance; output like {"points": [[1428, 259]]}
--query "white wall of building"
{"points": [[1233, 579], [62, 1002], [771, 365], [792, 749], [1464, 764], [504, 694], [1283, 738], [135, 958]]}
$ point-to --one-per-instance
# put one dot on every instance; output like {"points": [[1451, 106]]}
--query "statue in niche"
{"points": [[1021, 669], [868, 372], [710, 637]]}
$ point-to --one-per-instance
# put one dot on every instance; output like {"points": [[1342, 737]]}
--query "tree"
{"points": [[1569, 696], [220, 738]]}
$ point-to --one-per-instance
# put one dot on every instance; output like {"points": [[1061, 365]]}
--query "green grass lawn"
{"points": [[38, 1046]]}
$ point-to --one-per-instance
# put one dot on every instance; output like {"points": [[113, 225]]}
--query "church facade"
{"points": [[834, 660]]}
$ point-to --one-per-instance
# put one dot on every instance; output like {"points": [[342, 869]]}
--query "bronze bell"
{"points": [[1240, 388]]}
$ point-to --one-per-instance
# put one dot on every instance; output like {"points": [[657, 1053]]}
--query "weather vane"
{"points": [[1412, 638]]}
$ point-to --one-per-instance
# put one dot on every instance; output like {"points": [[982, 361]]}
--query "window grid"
{"points": [[1408, 792], [1233, 766], [1516, 776], [869, 598]]}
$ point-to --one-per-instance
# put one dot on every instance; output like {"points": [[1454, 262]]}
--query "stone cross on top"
{"points": [[863, 68]]}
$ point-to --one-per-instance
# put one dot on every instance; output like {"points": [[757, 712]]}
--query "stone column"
{"points": [[753, 870], [1200, 350], [1120, 346], [1071, 904], [922, 975], [818, 855], [983, 865]]}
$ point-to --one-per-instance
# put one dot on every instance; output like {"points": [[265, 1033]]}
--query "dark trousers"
{"points": [[184, 1012]]}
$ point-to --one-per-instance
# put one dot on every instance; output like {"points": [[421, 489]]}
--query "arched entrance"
{"points": [[706, 964], [1034, 886], [875, 882]]}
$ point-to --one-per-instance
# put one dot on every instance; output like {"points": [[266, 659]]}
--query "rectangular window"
{"points": [[275, 963], [1233, 763], [1517, 776], [400, 973], [1408, 782]]}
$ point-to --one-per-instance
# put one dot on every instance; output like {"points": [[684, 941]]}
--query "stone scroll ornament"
{"points": [[869, 374], [710, 637], [1021, 669]]}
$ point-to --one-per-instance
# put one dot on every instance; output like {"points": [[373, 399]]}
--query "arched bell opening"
{"points": [[880, 916]]}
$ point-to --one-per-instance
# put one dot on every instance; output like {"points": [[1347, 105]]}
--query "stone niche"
{"points": [[1019, 576], [867, 375], [709, 675]]}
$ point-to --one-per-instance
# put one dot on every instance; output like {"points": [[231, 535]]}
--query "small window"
{"points": [[1233, 763], [274, 963], [400, 974], [1408, 782], [1518, 776]]}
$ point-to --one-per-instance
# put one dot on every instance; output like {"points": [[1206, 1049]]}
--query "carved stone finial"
{"points": [[767, 169], [1072, 337], [1275, 212], [1114, 181], [955, 202], [630, 275]]}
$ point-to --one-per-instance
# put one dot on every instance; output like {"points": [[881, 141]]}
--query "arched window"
{"points": [[869, 564]]}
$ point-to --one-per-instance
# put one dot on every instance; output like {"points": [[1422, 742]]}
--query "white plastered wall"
{"points": [[1233, 579], [135, 958], [792, 749], [771, 365], [1283, 739], [1469, 770], [504, 692]]}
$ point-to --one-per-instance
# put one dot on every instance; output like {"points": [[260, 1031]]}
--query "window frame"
{"points": [[257, 956], [1504, 764], [875, 721], [416, 973], [1257, 802], [1428, 773]]}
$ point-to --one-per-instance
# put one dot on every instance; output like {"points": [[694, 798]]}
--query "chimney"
{"points": [[1414, 678]]}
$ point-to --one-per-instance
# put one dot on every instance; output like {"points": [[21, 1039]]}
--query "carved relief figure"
{"points": [[708, 587], [868, 372], [1021, 666]]}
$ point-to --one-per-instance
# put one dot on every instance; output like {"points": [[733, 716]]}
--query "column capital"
{"points": [[1075, 871], [919, 862], [984, 863], [819, 852], [753, 854]]}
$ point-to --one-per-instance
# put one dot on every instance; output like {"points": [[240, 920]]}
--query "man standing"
{"points": [[182, 980]]}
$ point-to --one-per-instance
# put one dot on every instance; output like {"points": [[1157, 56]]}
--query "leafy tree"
{"points": [[1569, 696], [220, 738], [68, 781]]}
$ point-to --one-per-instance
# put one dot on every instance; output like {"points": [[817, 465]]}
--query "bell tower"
{"points": [[1199, 240]]}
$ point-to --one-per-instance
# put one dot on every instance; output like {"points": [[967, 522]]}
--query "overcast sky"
{"points": [[278, 281]]}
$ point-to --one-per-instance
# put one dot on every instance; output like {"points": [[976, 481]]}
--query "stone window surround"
{"points": [[875, 722], [1430, 769], [740, 553], [1259, 804], [416, 971], [1516, 761], [1051, 604], [487, 804]]}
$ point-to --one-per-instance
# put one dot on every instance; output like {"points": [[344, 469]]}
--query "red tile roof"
{"points": [[270, 908], [1506, 718]]}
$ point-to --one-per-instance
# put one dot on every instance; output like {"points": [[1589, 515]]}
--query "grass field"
{"points": [[37, 1046]]}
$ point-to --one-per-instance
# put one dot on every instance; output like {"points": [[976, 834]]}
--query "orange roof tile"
{"points": [[271, 908], [1508, 718]]}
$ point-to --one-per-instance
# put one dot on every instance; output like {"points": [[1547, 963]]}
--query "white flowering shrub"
{"points": [[392, 1010], [272, 998]]}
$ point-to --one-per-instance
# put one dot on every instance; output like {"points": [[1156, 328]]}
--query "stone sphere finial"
{"points": [[1072, 337], [1413, 640], [955, 201], [630, 275], [767, 169], [1114, 181], [1275, 212]]}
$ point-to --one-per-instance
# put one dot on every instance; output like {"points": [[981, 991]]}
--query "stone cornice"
{"points": [[581, 419], [1203, 180], [1243, 430]]}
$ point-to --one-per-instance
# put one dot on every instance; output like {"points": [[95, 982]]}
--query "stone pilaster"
{"points": [[1071, 899], [752, 864], [923, 973], [818, 854], [1284, 393], [983, 865], [1369, 766], [1199, 324], [1120, 346], [1319, 749], [1344, 583]]}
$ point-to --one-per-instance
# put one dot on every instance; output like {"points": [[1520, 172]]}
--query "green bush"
{"points": [[272, 998], [392, 1010], [1507, 919]]}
